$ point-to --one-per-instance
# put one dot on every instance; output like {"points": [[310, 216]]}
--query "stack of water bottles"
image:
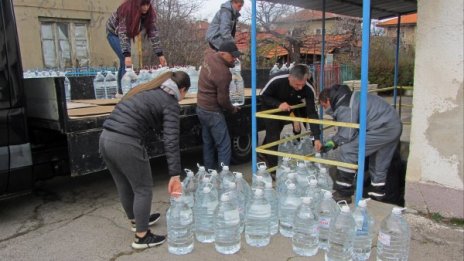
{"points": [[218, 207]]}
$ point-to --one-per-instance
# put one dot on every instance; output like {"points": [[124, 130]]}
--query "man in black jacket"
{"points": [[283, 91]]}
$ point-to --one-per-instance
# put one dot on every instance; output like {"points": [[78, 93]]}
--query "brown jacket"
{"points": [[213, 84]]}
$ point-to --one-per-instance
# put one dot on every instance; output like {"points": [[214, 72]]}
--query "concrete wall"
{"points": [[435, 165], [95, 11]]}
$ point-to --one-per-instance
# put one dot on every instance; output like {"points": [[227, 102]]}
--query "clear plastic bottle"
{"points": [[324, 180], [275, 69], [258, 218], [226, 175], [99, 86], [244, 195], [128, 81], [204, 209], [305, 239], [205, 181], [341, 236], [237, 87], [193, 73], [200, 173], [214, 178], [364, 232], [394, 237], [190, 182], [327, 211], [179, 219], [287, 208], [313, 192], [284, 167], [189, 188], [271, 196], [262, 171], [67, 89], [227, 238], [242, 185], [111, 85], [283, 186], [302, 176]]}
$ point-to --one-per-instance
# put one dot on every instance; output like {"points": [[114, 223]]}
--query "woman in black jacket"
{"points": [[153, 105]]}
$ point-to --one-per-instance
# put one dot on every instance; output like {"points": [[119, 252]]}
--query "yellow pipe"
{"points": [[321, 122]]}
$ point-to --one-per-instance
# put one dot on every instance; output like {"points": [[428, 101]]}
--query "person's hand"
{"points": [[285, 107], [329, 145], [162, 61], [128, 61], [174, 186], [317, 145]]}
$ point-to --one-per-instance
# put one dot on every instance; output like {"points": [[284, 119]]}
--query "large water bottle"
{"points": [[313, 192], [214, 178], [271, 196], [226, 175], [189, 188], [364, 232], [243, 194], [282, 168], [237, 88], [258, 218], [283, 186], [200, 173], [243, 186], [193, 74], [305, 239], [327, 211], [275, 69], [67, 89], [227, 238], [179, 219], [324, 180], [144, 77], [302, 176], [99, 86], [205, 181], [111, 85], [204, 209], [394, 237], [128, 81], [287, 208], [341, 236], [262, 171]]}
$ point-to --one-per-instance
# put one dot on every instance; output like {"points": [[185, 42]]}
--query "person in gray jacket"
{"points": [[224, 24], [147, 107], [382, 136]]}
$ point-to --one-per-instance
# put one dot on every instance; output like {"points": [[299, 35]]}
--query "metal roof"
{"points": [[380, 8]]}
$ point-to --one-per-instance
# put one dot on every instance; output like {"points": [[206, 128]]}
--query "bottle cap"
{"points": [[224, 197], [345, 209], [258, 192], [307, 200], [291, 186], [268, 185], [397, 210], [327, 195], [206, 190], [363, 203], [226, 168], [238, 175], [323, 170], [205, 180]]}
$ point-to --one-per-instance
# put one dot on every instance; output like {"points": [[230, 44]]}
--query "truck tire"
{"points": [[241, 148]]}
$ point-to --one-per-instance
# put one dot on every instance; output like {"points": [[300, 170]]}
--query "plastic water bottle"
{"points": [[214, 178], [200, 173], [302, 176], [271, 196], [287, 208], [274, 70], [326, 212], [364, 228], [313, 192], [284, 167], [205, 181], [111, 85], [99, 86], [128, 80], [324, 180], [243, 194], [341, 236], [144, 77], [305, 239], [283, 186], [236, 87], [67, 89], [227, 238], [226, 175], [189, 188], [180, 222], [394, 237], [193, 74], [204, 209], [262, 171], [242, 185], [258, 218]]}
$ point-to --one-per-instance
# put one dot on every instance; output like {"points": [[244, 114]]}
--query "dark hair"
{"points": [[238, 1], [181, 78], [300, 71], [324, 96], [130, 10]]}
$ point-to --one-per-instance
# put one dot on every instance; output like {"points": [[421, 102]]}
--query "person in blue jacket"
{"points": [[223, 27], [383, 133]]}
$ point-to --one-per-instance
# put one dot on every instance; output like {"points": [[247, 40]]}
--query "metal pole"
{"points": [[254, 132], [322, 72], [363, 104], [397, 55]]}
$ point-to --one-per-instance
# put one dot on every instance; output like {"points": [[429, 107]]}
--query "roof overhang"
{"points": [[381, 9]]}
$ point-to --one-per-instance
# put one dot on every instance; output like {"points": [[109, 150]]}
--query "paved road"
{"points": [[82, 219]]}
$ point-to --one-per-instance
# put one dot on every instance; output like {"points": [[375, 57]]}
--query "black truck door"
{"points": [[15, 152]]}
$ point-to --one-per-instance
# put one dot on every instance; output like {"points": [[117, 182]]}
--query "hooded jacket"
{"points": [[345, 105], [155, 109], [223, 26]]}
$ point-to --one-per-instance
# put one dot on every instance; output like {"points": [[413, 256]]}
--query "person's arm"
{"points": [[312, 114], [269, 94], [344, 134], [222, 82], [171, 125], [124, 39], [156, 43], [225, 25]]}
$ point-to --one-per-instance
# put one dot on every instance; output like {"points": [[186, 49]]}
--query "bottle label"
{"points": [[324, 222], [231, 217], [384, 238]]}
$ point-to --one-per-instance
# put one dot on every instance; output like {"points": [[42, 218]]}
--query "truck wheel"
{"points": [[241, 149]]}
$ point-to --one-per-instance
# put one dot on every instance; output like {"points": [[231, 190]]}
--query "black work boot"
{"points": [[376, 191], [343, 186]]}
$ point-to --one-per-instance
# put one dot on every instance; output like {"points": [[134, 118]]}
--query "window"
{"points": [[64, 43], [318, 31]]}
